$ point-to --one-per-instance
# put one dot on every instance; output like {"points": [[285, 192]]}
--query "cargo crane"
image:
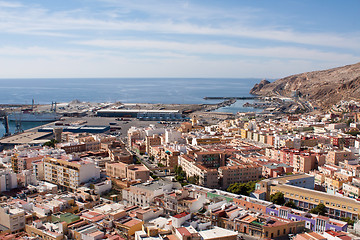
{"points": [[5, 120]]}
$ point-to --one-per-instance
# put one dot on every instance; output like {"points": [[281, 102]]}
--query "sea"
{"points": [[126, 90]]}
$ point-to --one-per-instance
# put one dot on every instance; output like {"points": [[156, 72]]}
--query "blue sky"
{"points": [[151, 38]]}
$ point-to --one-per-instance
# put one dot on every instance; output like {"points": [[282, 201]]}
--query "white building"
{"points": [[69, 173], [8, 180], [142, 194], [172, 136], [12, 218]]}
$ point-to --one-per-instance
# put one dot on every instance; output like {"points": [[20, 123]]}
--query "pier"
{"points": [[237, 98]]}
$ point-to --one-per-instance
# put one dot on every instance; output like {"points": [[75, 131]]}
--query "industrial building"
{"points": [[77, 129], [142, 114]]}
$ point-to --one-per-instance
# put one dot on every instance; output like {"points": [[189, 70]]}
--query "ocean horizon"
{"points": [[126, 90]]}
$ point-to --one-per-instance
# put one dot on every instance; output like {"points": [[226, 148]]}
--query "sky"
{"points": [[176, 38]]}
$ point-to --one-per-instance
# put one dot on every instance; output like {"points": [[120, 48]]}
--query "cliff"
{"points": [[323, 88]]}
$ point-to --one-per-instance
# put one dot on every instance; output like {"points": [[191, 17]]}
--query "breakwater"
{"points": [[237, 98]]}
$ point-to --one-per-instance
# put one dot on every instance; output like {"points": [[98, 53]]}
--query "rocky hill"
{"points": [[323, 88]]}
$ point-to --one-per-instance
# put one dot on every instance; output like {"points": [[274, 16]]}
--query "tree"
{"points": [[348, 220], [349, 121], [180, 175], [290, 204], [353, 132], [242, 188], [194, 179], [50, 143], [277, 198], [319, 209]]}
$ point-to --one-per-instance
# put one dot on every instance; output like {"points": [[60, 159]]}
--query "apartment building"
{"points": [[351, 189], [142, 194], [239, 174], [91, 144], [118, 152], [212, 159], [275, 169], [166, 155], [12, 218], [268, 226], [154, 140], [205, 141], [335, 157], [46, 230], [303, 163], [129, 171], [207, 177], [8, 180], [69, 173]]}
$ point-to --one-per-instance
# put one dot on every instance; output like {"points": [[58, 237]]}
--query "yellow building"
{"points": [[306, 199], [129, 226], [243, 133]]}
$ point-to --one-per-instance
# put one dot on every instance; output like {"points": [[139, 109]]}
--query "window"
{"points": [[316, 200]]}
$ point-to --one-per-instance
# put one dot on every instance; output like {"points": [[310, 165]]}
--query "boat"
{"points": [[34, 116]]}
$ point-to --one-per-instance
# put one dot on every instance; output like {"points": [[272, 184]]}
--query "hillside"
{"points": [[323, 88]]}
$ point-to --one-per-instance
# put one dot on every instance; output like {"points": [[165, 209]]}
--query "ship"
{"points": [[34, 116]]}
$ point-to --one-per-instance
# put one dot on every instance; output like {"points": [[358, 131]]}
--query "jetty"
{"points": [[236, 98]]}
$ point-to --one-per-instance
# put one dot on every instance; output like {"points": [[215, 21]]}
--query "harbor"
{"points": [[22, 117]]}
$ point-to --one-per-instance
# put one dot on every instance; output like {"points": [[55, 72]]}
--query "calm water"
{"points": [[127, 90]]}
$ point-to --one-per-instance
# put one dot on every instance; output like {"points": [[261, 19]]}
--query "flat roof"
{"points": [[216, 233], [23, 138], [318, 194], [136, 111], [291, 177]]}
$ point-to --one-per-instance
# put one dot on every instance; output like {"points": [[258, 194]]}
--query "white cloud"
{"points": [[12, 4], [42, 62], [117, 41], [40, 21], [221, 49]]}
